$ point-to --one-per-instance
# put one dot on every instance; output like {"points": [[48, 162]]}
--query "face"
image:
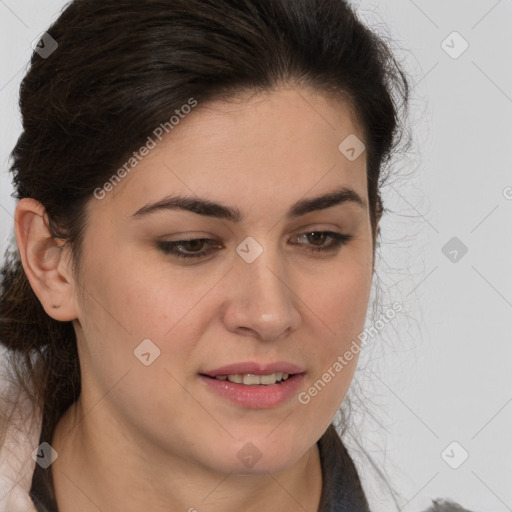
{"points": [[280, 284]]}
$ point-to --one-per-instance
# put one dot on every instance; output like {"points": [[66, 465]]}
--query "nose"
{"points": [[262, 301]]}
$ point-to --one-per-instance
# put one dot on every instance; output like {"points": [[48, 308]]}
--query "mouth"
{"points": [[252, 373], [249, 379], [255, 386]]}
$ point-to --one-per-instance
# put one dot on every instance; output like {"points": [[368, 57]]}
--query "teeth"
{"points": [[255, 380], [262, 379]]}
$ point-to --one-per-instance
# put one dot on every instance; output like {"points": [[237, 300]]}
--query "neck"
{"points": [[100, 469]]}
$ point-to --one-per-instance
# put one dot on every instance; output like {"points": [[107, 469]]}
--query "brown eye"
{"points": [[191, 247], [197, 247], [318, 238]]}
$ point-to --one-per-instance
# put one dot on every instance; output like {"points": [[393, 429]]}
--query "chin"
{"points": [[273, 465], [257, 456]]}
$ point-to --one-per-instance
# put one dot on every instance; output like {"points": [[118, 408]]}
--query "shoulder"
{"points": [[446, 506]]}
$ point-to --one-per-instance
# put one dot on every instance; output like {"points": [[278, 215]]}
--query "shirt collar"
{"points": [[341, 486]]}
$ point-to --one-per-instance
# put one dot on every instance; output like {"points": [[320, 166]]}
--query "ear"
{"points": [[45, 260]]}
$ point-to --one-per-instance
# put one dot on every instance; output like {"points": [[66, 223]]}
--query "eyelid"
{"points": [[339, 240]]}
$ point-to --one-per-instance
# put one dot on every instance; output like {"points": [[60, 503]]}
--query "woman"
{"points": [[198, 185]]}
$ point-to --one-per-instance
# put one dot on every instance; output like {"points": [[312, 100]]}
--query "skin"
{"points": [[155, 437]]}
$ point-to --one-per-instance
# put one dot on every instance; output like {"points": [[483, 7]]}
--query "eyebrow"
{"points": [[210, 208]]}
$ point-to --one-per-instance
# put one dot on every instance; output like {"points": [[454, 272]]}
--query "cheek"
{"points": [[341, 301], [130, 297], [130, 308], [340, 309], [139, 332]]}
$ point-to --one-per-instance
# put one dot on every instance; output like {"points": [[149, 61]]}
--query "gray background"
{"points": [[440, 373]]}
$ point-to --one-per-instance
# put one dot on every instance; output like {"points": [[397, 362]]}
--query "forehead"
{"points": [[277, 118], [284, 142]]}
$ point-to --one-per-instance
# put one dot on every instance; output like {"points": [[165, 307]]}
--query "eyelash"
{"points": [[340, 239]]}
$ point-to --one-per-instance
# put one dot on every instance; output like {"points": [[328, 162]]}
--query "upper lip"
{"points": [[255, 369]]}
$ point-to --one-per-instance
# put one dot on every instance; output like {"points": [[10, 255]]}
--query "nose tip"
{"points": [[262, 303]]}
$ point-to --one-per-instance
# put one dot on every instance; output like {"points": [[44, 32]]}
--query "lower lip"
{"points": [[255, 397]]}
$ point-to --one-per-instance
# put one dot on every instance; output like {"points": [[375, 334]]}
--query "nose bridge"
{"points": [[265, 280], [264, 301]]}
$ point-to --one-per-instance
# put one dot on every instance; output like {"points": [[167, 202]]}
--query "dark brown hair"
{"points": [[122, 67]]}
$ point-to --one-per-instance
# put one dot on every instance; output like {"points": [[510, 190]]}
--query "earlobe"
{"points": [[44, 260]]}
